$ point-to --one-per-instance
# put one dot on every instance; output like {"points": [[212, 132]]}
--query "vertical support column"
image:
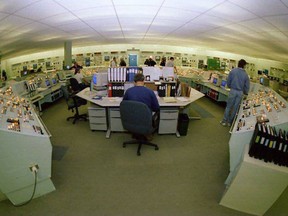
{"points": [[67, 54]]}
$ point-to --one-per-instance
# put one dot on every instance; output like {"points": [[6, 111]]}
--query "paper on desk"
{"points": [[169, 100], [115, 98], [183, 99]]}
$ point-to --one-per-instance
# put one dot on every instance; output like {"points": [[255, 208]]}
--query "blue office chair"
{"points": [[136, 118], [73, 102]]}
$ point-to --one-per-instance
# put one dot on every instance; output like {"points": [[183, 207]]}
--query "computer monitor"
{"points": [[106, 58], [47, 83], [215, 80], [24, 73], [223, 83], [264, 81], [100, 79], [54, 81]]}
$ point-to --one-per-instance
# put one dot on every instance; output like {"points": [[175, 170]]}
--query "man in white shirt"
{"points": [[170, 63]]}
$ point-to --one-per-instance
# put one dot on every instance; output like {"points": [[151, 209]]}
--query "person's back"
{"points": [[122, 63], [113, 62], [239, 83], [238, 80], [170, 63], [163, 62], [142, 94]]}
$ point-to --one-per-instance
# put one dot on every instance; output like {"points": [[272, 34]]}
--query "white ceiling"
{"points": [[257, 28]]}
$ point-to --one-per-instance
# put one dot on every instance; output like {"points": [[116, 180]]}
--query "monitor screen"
{"points": [[223, 83], [106, 58], [94, 78], [47, 82], [100, 79], [215, 81], [261, 80], [54, 81]]}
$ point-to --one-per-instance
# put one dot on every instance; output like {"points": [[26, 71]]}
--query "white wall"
{"points": [[259, 63]]}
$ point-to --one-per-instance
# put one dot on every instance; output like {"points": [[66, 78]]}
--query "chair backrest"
{"points": [[136, 117], [72, 100], [74, 84]]}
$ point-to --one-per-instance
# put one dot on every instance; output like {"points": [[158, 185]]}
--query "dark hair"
{"points": [[139, 77], [171, 58], [242, 63]]}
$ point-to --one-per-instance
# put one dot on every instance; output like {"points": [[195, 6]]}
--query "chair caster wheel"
{"points": [[138, 153], [124, 145], [156, 148]]}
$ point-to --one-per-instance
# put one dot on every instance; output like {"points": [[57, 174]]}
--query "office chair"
{"points": [[136, 118], [74, 85], [73, 102]]}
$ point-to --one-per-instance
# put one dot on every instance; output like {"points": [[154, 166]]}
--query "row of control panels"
{"points": [[18, 115]]}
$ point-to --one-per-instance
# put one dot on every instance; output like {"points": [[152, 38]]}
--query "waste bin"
{"points": [[183, 123]]}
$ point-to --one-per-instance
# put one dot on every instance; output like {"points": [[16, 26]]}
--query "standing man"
{"points": [[239, 83], [170, 63], [150, 62]]}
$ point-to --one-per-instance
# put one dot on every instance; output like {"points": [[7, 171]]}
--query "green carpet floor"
{"points": [[96, 176]]}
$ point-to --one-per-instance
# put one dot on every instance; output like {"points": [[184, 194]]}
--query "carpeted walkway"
{"points": [[96, 176]]}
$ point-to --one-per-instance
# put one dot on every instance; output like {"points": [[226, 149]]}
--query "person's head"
{"points": [[172, 58], [242, 63], [150, 57], [114, 59], [139, 78]]}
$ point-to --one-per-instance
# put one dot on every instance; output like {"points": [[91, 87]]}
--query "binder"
{"points": [[255, 141], [161, 90], [110, 90], [173, 90], [279, 147]]}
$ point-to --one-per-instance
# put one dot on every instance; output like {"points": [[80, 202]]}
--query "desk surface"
{"points": [[115, 101]]}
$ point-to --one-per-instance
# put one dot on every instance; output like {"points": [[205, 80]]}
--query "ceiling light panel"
{"points": [[137, 3], [231, 12], [268, 7], [182, 15], [136, 12], [279, 21], [197, 6], [3, 15], [12, 22], [259, 25], [211, 21], [95, 13], [16, 5], [59, 19], [73, 26], [40, 10], [73, 5], [104, 24]]}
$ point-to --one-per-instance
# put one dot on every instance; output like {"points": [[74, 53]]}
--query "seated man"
{"points": [[79, 76], [145, 95]]}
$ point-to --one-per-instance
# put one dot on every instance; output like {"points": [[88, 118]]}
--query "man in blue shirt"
{"points": [[142, 94], [239, 83], [145, 95]]}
